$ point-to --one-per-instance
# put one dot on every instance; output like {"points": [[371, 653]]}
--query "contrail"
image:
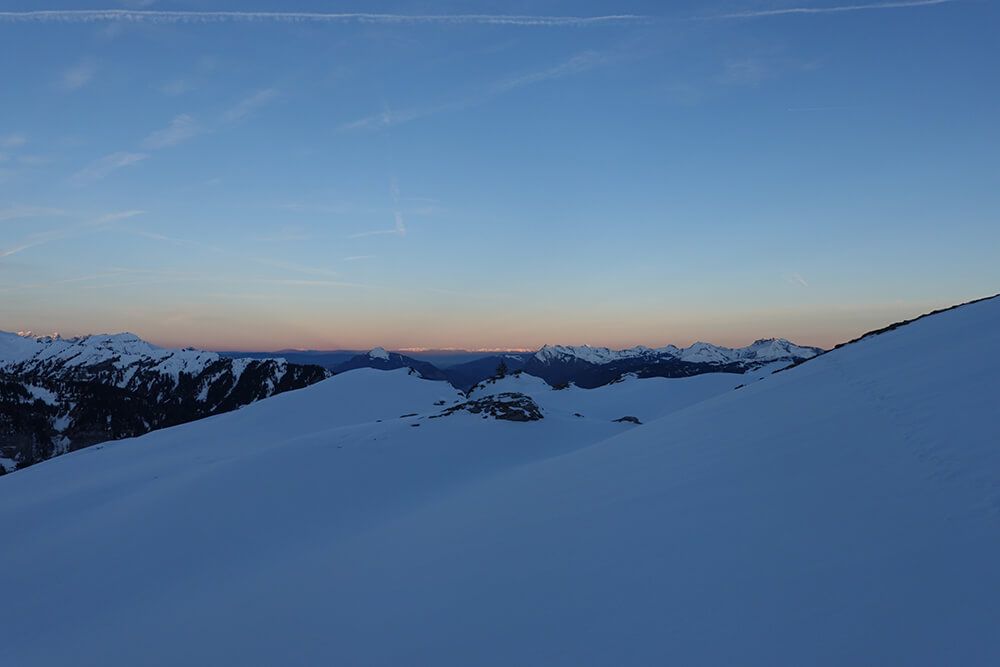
{"points": [[761, 13], [155, 16]]}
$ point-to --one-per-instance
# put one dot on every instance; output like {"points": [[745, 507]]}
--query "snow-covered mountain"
{"points": [[588, 366], [382, 360], [60, 394], [582, 365], [843, 511], [763, 351], [466, 374]]}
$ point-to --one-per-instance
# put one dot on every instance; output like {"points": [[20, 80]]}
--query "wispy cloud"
{"points": [[12, 140], [263, 261], [397, 213], [152, 16], [248, 105], [19, 212], [101, 223], [104, 166], [176, 87], [181, 128], [762, 13], [399, 226], [376, 232], [283, 235], [357, 258], [575, 65], [746, 72], [117, 216], [33, 160], [794, 278], [77, 77], [581, 62]]}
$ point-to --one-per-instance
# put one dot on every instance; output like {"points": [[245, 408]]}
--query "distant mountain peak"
{"points": [[764, 349], [378, 353]]}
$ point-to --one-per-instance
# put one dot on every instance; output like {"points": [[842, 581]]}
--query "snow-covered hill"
{"points": [[382, 360], [844, 511], [60, 394]]}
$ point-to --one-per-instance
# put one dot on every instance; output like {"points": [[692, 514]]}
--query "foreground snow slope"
{"points": [[846, 511]]}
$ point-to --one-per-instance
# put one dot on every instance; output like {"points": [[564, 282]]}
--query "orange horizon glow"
{"points": [[819, 327]]}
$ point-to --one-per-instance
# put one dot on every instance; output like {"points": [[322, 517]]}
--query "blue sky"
{"points": [[703, 170]]}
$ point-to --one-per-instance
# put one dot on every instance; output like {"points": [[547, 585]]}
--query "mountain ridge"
{"points": [[62, 394]]}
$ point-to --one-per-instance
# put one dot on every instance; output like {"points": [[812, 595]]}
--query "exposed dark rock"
{"points": [[629, 419], [47, 409], [509, 406]]}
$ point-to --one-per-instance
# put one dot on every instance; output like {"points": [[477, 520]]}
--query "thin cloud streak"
{"points": [[377, 232], [152, 16], [19, 212], [12, 140], [102, 223], [399, 223], [117, 216], [575, 65], [104, 166], [762, 13], [795, 278], [77, 77], [180, 129], [263, 261], [250, 104]]}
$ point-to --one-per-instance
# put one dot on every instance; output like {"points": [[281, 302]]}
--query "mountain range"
{"points": [[582, 365], [842, 511], [58, 395]]}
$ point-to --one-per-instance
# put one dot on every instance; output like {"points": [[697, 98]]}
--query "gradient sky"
{"points": [[719, 171]]}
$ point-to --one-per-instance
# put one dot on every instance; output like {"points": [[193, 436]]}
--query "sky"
{"points": [[495, 174]]}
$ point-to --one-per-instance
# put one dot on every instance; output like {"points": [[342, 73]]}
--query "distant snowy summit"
{"points": [[763, 351], [61, 394], [588, 366], [382, 360], [27, 353]]}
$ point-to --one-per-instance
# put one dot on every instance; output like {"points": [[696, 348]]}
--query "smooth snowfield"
{"points": [[846, 511]]}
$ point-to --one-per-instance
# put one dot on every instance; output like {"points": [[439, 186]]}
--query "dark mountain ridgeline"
{"points": [[53, 403]]}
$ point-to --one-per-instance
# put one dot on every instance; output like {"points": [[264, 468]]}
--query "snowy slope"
{"points": [[845, 511], [15, 348], [643, 398]]}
